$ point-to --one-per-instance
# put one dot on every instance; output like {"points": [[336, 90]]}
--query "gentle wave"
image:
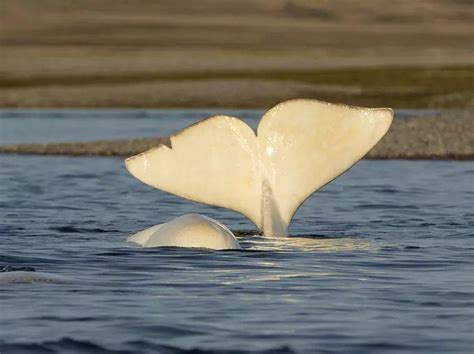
{"points": [[72, 346]]}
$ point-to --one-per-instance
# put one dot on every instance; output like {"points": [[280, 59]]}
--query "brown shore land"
{"points": [[244, 54], [409, 138]]}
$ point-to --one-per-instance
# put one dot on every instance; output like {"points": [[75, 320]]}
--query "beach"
{"points": [[252, 53], [247, 54], [449, 136]]}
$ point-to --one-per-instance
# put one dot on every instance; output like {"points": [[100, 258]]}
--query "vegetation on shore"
{"points": [[407, 87]]}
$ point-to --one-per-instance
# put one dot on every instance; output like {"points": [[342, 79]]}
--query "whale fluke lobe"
{"points": [[190, 230], [300, 146]]}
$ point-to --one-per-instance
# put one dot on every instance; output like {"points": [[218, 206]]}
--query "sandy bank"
{"points": [[248, 53], [449, 137]]}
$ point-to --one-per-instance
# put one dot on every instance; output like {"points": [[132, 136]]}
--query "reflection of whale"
{"points": [[190, 230], [300, 146]]}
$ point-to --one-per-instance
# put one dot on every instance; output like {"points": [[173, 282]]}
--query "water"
{"points": [[44, 126], [385, 264]]}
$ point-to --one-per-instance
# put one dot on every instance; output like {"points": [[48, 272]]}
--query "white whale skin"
{"points": [[300, 146], [190, 230]]}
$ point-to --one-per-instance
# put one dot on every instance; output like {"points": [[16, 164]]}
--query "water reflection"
{"points": [[307, 244]]}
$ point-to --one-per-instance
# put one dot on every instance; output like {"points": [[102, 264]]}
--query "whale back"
{"points": [[300, 146], [189, 230]]}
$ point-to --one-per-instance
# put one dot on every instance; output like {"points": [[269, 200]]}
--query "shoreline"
{"points": [[411, 138], [230, 54], [411, 87]]}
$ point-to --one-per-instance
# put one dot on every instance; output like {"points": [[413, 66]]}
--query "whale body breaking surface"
{"points": [[29, 277], [299, 146], [190, 230]]}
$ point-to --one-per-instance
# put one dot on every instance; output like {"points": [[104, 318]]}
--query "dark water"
{"points": [[386, 265]]}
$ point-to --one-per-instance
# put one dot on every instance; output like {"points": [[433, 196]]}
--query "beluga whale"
{"points": [[299, 146], [189, 230]]}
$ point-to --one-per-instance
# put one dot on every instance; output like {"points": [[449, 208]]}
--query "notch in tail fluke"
{"points": [[300, 146]]}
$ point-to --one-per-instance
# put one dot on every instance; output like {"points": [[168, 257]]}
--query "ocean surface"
{"points": [[381, 259]]}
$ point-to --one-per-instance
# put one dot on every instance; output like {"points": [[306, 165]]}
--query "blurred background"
{"points": [[242, 54]]}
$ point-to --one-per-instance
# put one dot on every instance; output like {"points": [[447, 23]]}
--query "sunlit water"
{"points": [[384, 261]]}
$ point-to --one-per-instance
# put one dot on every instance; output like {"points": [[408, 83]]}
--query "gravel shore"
{"points": [[448, 137]]}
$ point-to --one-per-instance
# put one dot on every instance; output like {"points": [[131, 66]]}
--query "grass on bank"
{"points": [[408, 87]]}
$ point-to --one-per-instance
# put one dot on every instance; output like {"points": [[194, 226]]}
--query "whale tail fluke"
{"points": [[300, 146]]}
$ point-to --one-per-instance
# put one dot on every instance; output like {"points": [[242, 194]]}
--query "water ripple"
{"points": [[376, 263]]}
